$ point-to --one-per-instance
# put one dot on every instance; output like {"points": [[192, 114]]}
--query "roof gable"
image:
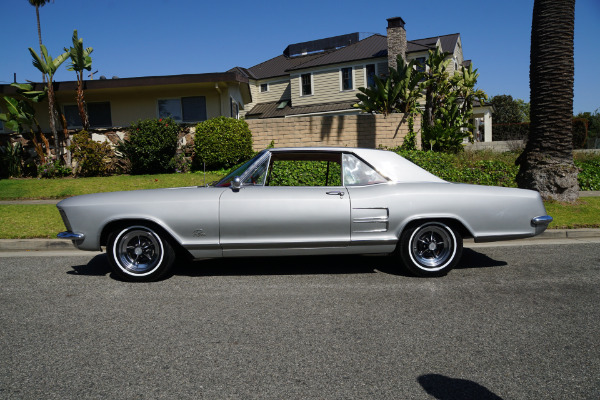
{"points": [[374, 46]]}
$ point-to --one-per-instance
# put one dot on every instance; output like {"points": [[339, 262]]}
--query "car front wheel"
{"points": [[138, 253], [430, 248]]}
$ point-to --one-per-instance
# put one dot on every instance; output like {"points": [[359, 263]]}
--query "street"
{"points": [[515, 322]]}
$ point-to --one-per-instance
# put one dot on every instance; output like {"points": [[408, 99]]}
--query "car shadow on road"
{"points": [[474, 259], [444, 388], [308, 265]]}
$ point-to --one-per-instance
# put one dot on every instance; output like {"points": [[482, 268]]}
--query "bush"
{"points": [[11, 160], [53, 169], [488, 169], [305, 173], [151, 146], [222, 143], [93, 158], [589, 176]]}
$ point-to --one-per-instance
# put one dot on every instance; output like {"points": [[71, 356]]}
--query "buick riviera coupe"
{"points": [[303, 201]]}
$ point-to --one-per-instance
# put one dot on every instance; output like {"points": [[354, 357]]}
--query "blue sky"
{"points": [[168, 37]]}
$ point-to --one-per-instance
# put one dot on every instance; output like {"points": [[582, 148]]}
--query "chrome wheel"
{"points": [[138, 251], [430, 248], [432, 245]]}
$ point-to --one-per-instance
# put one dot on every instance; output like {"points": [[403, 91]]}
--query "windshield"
{"points": [[226, 182]]}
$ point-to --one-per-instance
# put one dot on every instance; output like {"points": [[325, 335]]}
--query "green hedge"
{"points": [[151, 146], [493, 169], [589, 176], [221, 143], [305, 173]]}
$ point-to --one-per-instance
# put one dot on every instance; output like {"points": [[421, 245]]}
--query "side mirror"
{"points": [[236, 183]]}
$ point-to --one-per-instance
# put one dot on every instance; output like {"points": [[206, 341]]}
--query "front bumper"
{"points": [[71, 235]]}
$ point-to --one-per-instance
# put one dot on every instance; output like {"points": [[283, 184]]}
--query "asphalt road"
{"points": [[519, 322]]}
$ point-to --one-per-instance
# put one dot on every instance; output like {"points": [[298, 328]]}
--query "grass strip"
{"points": [[43, 220], [585, 213], [31, 188], [30, 221]]}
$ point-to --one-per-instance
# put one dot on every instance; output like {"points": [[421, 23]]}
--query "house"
{"points": [[319, 77], [119, 102], [322, 77]]}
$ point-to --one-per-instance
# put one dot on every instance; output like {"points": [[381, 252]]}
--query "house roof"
{"points": [[447, 42], [374, 46], [272, 110], [233, 76], [279, 65]]}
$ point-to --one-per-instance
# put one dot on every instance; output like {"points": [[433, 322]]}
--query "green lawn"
{"points": [[43, 221], [31, 188]]}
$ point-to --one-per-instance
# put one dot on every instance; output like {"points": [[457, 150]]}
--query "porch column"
{"points": [[487, 126]]}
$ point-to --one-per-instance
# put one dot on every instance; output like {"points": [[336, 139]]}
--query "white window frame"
{"points": [[312, 84], [264, 91], [365, 72], [341, 74]]}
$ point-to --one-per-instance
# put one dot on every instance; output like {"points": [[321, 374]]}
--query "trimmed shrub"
{"points": [[151, 146], [305, 173], [93, 158], [222, 143]]}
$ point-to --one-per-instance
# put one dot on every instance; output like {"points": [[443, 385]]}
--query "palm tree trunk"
{"points": [[547, 164], [37, 14]]}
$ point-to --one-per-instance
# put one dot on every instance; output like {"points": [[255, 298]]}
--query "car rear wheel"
{"points": [[138, 253], [430, 248]]}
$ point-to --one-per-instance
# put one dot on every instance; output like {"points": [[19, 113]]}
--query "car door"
{"points": [[287, 219]]}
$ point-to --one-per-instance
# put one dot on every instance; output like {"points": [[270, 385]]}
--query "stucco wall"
{"points": [[370, 131]]}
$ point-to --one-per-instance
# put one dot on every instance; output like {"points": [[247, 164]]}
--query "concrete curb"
{"points": [[60, 244]]}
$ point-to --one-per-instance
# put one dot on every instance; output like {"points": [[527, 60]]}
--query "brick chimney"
{"points": [[396, 40]]}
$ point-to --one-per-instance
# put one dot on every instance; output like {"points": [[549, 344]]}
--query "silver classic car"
{"points": [[302, 201]]}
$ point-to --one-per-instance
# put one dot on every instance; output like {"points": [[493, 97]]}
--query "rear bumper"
{"points": [[543, 220]]}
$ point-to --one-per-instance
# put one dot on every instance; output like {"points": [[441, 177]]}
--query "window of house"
{"points": [[99, 115], [347, 78], [184, 109], [370, 75], [234, 108], [264, 87], [306, 84]]}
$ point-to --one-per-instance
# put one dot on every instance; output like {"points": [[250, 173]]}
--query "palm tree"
{"points": [[547, 164], [48, 66], [37, 4], [80, 61]]}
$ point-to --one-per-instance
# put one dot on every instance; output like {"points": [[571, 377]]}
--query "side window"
{"points": [[257, 177], [357, 173], [305, 170]]}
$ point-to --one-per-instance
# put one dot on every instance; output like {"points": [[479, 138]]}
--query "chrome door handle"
{"points": [[336, 193]]}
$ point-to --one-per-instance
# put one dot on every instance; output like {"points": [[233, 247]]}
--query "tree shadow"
{"points": [[444, 388], [305, 265]]}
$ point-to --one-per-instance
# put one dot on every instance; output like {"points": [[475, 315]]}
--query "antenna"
{"points": [[91, 76]]}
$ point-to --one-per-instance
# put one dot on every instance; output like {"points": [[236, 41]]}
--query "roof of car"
{"points": [[387, 163]]}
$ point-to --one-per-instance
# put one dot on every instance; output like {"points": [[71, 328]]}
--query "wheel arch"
{"points": [[125, 222], [452, 221]]}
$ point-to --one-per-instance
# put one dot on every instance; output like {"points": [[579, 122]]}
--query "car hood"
{"points": [[142, 196]]}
